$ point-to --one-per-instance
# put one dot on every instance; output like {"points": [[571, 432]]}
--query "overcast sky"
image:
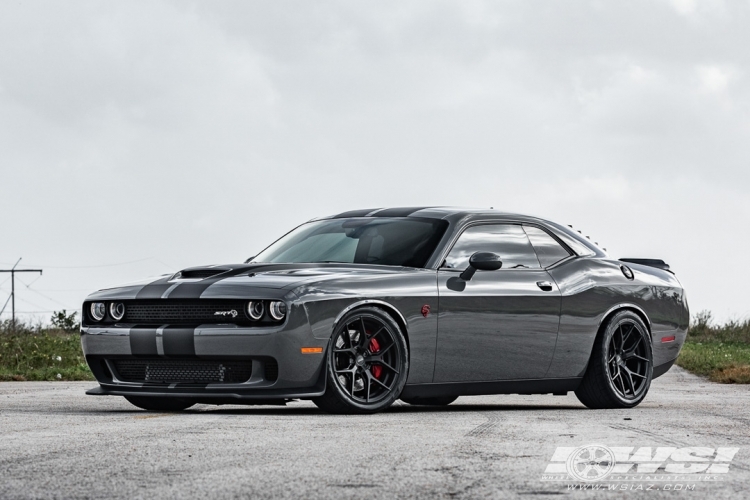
{"points": [[138, 138]]}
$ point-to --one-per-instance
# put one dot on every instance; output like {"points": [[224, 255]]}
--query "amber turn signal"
{"points": [[312, 350]]}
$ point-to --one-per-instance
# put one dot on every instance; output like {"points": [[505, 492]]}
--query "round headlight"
{"points": [[98, 310], [117, 310], [277, 310], [255, 309]]}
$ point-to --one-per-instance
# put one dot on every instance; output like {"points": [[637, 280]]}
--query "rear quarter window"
{"points": [[547, 249]]}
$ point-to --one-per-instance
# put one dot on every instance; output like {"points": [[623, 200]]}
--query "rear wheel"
{"points": [[621, 366], [439, 401], [367, 363], [153, 403]]}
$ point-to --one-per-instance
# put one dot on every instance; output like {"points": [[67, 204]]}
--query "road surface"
{"points": [[55, 442]]}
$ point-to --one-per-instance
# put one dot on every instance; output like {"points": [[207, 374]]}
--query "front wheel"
{"points": [[367, 363], [153, 403], [621, 366]]}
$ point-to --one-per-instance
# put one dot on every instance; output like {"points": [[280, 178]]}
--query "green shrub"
{"points": [[65, 321], [702, 329], [719, 361], [719, 352], [32, 352]]}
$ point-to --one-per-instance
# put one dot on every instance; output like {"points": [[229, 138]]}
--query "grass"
{"points": [[728, 363], [719, 352], [30, 352]]}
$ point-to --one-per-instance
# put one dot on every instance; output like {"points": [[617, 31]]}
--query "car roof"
{"points": [[423, 212], [458, 216]]}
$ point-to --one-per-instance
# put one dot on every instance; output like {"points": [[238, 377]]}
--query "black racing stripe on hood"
{"points": [[154, 290], [194, 290]]}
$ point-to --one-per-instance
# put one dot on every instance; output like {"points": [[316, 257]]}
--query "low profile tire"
{"points": [[444, 401], [367, 363], [621, 366], [152, 403]]}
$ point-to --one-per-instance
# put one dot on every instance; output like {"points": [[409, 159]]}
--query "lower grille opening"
{"points": [[195, 371], [272, 370]]}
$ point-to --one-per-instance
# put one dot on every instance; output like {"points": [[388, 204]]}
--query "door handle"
{"points": [[544, 285]]}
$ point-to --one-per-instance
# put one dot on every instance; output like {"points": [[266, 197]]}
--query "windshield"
{"points": [[406, 241]]}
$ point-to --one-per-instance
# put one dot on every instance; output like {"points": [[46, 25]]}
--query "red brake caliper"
{"points": [[376, 370]]}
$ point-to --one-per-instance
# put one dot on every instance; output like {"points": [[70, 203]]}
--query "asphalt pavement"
{"points": [[56, 442]]}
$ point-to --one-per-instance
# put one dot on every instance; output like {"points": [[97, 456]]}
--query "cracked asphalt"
{"points": [[56, 442]]}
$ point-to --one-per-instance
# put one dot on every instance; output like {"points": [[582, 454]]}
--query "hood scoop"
{"points": [[200, 273]]}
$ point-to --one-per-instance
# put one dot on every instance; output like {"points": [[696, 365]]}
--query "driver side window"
{"points": [[509, 241]]}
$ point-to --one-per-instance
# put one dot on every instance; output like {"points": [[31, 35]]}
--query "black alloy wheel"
{"points": [[367, 363], [627, 364], [621, 366]]}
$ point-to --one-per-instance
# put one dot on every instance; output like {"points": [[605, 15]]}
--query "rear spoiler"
{"points": [[657, 263]]}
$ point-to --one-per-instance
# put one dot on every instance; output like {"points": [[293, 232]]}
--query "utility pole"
{"points": [[13, 272]]}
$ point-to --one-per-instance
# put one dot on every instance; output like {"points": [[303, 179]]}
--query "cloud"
{"points": [[715, 78], [691, 8]]}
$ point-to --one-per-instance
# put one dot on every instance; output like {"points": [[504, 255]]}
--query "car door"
{"points": [[503, 324]]}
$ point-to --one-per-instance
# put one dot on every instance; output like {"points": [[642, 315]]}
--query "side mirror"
{"points": [[483, 261]]}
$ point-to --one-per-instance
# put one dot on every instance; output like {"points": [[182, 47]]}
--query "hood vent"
{"points": [[200, 272]]}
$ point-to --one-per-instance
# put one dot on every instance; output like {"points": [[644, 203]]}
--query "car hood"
{"points": [[238, 278]]}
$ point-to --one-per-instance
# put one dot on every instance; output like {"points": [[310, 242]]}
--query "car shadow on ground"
{"points": [[296, 409], [292, 409]]}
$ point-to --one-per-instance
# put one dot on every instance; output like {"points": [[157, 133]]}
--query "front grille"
{"points": [[185, 312], [183, 370]]}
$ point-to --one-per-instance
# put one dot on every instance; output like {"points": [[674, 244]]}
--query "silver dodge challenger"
{"points": [[357, 310]]}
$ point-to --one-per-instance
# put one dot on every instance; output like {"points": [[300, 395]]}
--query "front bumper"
{"points": [[213, 395], [299, 375]]}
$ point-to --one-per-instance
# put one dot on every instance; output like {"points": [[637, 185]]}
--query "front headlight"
{"points": [[277, 310], [255, 309], [117, 310], [98, 310]]}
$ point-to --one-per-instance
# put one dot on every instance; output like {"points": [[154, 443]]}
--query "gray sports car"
{"points": [[362, 308]]}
